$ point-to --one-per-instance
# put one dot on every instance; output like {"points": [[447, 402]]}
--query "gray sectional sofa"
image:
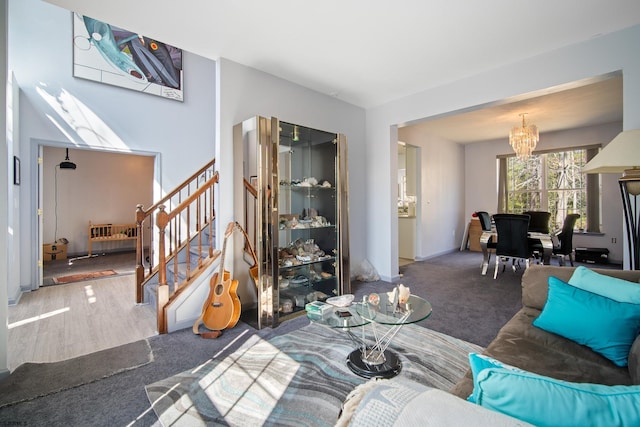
{"points": [[527, 390], [525, 346]]}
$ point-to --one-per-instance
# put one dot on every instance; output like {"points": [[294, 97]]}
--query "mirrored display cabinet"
{"points": [[292, 199]]}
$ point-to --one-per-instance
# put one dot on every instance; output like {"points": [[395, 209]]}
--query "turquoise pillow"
{"points": [[611, 287], [606, 326], [478, 362], [545, 401]]}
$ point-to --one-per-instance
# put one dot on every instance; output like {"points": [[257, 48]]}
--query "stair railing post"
{"points": [[140, 215], [162, 219]]}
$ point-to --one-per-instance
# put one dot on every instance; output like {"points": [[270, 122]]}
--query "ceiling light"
{"points": [[67, 164], [523, 139]]}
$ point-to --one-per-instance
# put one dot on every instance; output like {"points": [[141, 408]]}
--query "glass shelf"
{"points": [[305, 263]]}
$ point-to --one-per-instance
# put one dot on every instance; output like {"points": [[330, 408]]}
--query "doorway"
{"points": [[103, 188], [408, 185]]}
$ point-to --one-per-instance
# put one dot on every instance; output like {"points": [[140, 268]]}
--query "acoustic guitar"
{"points": [[223, 308]]}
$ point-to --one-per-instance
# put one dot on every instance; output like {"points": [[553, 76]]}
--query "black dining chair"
{"points": [[564, 245], [513, 241], [539, 221]]}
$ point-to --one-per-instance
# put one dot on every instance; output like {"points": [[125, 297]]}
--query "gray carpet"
{"points": [[465, 305], [300, 378], [33, 380]]}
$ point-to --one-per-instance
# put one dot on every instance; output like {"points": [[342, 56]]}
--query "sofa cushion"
{"points": [[545, 401], [528, 347], [535, 281], [606, 326], [525, 346], [611, 287]]}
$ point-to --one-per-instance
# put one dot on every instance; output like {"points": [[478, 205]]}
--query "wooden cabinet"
{"points": [[475, 231], [293, 205]]}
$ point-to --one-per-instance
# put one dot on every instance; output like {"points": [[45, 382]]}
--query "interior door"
{"points": [[39, 267]]}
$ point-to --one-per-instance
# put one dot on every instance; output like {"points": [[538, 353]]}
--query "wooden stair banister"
{"points": [[180, 218], [250, 200]]}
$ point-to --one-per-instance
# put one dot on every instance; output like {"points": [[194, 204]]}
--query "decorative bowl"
{"points": [[341, 301]]}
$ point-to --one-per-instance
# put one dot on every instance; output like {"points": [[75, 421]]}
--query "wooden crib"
{"points": [[110, 233]]}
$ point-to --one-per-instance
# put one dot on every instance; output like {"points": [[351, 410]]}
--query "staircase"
{"points": [[175, 253]]}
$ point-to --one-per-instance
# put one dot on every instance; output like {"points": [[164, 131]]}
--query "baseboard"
{"points": [[14, 300], [390, 278], [437, 254]]}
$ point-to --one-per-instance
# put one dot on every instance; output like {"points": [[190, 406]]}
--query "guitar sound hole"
{"points": [[219, 289]]}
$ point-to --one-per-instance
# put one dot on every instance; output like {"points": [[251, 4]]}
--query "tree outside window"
{"points": [[550, 182]]}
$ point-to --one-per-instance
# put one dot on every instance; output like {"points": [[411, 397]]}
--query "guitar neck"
{"points": [[227, 233]]}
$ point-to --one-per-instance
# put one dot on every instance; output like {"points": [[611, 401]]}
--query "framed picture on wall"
{"points": [[108, 54], [16, 170]]}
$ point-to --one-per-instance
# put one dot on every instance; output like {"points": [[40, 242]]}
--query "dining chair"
{"points": [[539, 221], [485, 223], [564, 246], [513, 241]]}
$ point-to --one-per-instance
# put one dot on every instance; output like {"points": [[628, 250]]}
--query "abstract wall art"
{"points": [[111, 55]]}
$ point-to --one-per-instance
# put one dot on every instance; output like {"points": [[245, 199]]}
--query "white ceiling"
{"points": [[587, 104], [371, 52]]}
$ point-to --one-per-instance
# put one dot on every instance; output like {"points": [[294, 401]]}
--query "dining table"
{"points": [[543, 238]]}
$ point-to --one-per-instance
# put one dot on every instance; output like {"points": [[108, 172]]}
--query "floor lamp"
{"points": [[622, 155]]}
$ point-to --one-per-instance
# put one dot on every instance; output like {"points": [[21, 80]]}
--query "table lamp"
{"points": [[622, 155]]}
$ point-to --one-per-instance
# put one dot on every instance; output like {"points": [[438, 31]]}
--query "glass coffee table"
{"points": [[372, 357]]}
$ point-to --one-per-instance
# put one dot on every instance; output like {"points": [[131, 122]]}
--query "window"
{"points": [[553, 182]]}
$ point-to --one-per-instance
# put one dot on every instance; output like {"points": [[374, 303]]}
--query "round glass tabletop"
{"points": [[385, 313], [340, 317]]}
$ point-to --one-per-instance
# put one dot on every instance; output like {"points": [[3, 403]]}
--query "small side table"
{"points": [[372, 357], [377, 360]]}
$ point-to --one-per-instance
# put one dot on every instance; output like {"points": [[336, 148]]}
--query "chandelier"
{"points": [[523, 139]]}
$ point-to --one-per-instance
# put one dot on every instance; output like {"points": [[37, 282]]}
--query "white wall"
{"points": [[4, 183], [595, 57], [442, 191], [245, 92], [482, 176], [104, 188], [56, 107]]}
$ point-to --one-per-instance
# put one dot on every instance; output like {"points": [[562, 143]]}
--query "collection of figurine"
{"points": [[307, 182], [300, 252], [289, 222]]}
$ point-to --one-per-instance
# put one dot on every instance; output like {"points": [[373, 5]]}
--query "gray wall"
{"points": [[65, 111], [595, 57], [246, 92], [4, 185]]}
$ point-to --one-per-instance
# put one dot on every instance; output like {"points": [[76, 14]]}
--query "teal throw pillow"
{"points": [[545, 401], [611, 287], [478, 362], [606, 326]]}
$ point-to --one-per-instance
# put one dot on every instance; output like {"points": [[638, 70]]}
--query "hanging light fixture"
{"points": [[523, 139], [67, 164]]}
